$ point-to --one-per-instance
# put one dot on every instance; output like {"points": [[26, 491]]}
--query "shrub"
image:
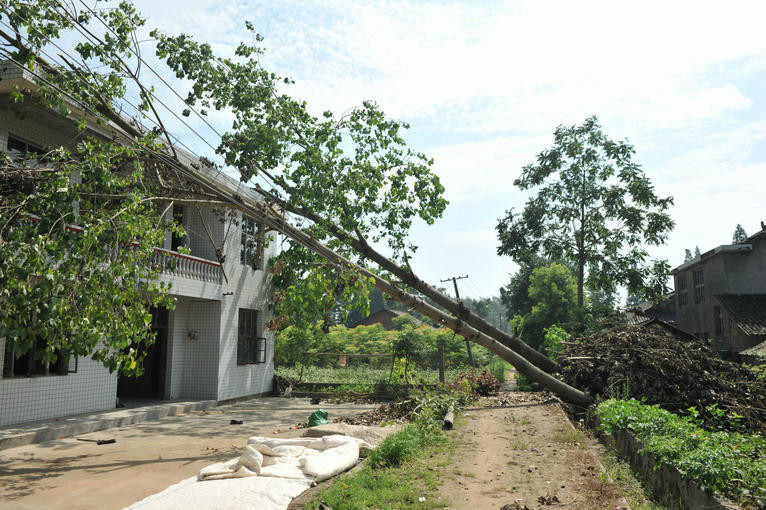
{"points": [[483, 383], [728, 463]]}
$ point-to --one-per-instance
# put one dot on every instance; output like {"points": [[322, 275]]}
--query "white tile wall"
{"points": [[251, 289], [24, 399]]}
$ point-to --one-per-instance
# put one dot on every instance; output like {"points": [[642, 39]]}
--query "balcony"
{"points": [[188, 266]]}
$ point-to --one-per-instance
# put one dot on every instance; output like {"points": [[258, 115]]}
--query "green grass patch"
{"points": [[571, 436], [730, 464], [360, 376], [404, 470]]}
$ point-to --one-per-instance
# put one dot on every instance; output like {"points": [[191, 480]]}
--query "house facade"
{"points": [[721, 295], [213, 345]]}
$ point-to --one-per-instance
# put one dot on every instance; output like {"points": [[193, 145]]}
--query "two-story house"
{"points": [[721, 295], [213, 345]]}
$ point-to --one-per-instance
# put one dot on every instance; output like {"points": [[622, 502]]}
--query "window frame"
{"points": [[698, 278], [251, 344]]}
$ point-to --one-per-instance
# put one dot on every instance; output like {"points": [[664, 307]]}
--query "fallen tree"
{"points": [[345, 207]]}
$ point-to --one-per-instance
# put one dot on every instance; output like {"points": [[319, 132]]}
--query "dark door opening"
{"points": [[150, 384]]}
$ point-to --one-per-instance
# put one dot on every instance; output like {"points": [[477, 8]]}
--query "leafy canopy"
{"points": [[593, 207], [553, 296], [352, 172]]}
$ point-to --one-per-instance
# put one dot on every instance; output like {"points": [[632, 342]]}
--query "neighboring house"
{"points": [[212, 346], [385, 318], [664, 310], [721, 295]]}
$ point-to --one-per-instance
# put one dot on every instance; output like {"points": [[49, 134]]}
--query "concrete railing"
{"points": [[188, 266]]}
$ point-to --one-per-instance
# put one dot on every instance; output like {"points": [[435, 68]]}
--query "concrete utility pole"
{"points": [[454, 280]]}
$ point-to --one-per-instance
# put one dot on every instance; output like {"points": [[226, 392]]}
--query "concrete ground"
{"points": [[147, 457]]}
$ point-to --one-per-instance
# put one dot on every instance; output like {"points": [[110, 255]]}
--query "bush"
{"points": [[728, 463], [483, 383]]}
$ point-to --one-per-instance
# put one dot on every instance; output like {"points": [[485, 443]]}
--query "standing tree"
{"points": [[553, 294], [687, 255], [595, 208], [697, 253], [739, 235]]}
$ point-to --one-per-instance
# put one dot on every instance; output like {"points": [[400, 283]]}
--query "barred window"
{"points": [[251, 346], [682, 283], [698, 277]]}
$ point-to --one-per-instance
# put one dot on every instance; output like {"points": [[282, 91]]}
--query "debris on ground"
{"points": [[236, 422], [98, 441], [664, 367], [396, 411]]}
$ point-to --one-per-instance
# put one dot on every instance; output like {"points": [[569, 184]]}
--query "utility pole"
{"points": [[454, 280]]}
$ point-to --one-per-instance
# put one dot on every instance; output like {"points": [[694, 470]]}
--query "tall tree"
{"points": [[697, 253], [687, 255], [739, 235], [595, 208]]}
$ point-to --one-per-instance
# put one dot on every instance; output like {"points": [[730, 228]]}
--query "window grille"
{"points": [[251, 346]]}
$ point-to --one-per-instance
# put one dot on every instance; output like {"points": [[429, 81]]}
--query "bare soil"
{"points": [[522, 451]]}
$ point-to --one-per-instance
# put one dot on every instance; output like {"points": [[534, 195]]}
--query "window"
{"points": [[718, 317], [681, 287], [31, 363], [252, 244], [698, 277], [251, 348], [18, 145]]}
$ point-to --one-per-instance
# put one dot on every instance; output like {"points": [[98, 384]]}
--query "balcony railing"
{"points": [[188, 266]]}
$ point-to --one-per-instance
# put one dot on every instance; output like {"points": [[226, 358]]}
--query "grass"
{"points": [[639, 498], [519, 445], [499, 368], [361, 375], [399, 473], [572, 436]]}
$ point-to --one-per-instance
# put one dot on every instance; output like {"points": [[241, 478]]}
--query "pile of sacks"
{"points": [[316, 459]]}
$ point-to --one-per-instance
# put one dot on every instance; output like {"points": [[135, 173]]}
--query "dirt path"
{"points": [[523, 452]]}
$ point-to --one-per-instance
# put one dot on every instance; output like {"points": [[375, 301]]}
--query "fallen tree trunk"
{"points": [[411, 279], [263, 213]]}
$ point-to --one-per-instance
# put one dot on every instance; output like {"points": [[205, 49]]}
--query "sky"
{"points": [[483, 85]]}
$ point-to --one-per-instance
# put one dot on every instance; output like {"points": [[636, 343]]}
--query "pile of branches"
{"points": [[664, 367], [396, 411]]}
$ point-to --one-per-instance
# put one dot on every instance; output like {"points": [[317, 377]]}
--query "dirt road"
{"points": [[146, 458], [527, 455]]}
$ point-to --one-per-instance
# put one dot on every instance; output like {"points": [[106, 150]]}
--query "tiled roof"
{"points": [[747, 311], [759, 350]]}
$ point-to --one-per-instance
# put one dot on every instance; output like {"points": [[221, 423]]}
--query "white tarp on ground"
{"points": [[267, 476]]}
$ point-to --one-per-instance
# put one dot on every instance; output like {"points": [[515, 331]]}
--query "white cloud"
{"points": [[670, 76]]}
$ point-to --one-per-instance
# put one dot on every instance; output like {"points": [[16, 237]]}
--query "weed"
{"points": [[572, 436], [519, 445]]}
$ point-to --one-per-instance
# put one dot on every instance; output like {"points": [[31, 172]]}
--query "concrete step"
{"points": [[48, 430]]}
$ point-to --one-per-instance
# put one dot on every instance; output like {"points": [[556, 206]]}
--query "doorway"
{"points": [[150, 384]]}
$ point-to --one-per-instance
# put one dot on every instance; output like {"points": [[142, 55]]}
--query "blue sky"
{"points": [[484, 84]]}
